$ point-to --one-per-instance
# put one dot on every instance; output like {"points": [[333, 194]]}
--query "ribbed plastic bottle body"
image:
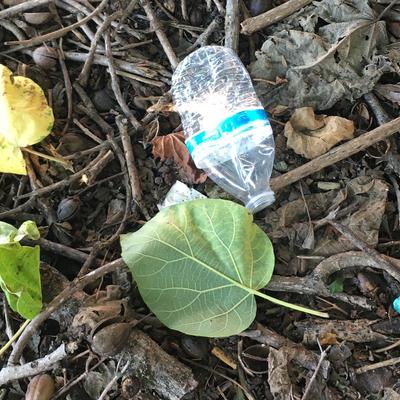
{"points": [[228, 133]]}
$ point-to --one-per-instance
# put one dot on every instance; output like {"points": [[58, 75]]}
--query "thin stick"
{"points": [[76, 285], [381, 364], [220, 7], [19, 8], [314, 375], [184, 10], [254, 24], [14, 337], [162, 37], [113, 380], [84, 75], [122, 124], [203, 37], [337, 154], [60, 32], [68, 85], [115, 85], [232, 20], [65, 182]]}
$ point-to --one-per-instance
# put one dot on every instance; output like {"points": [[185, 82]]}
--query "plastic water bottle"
{"points": [[227, 130]]}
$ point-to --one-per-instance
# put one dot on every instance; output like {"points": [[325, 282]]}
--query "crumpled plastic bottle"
{"points": [[227, 130]]}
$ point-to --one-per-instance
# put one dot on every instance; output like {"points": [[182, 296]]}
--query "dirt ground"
{"points": [[327, 73]]}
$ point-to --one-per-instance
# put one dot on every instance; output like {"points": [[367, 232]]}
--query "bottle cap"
{"points": [[260, 201]]}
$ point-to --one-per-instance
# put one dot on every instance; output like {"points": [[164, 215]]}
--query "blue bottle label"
{"points": [[239, 124]]}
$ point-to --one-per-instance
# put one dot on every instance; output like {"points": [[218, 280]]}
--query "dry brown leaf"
{"points": [[328, 338], [172, 147], [311, 135]]}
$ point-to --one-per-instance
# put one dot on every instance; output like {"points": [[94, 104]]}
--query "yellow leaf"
{"points": [[11, 158], [25, 117]]}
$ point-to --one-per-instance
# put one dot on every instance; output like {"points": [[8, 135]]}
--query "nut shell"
{"points": [[41, 387], [45, 57], [37, 18]]}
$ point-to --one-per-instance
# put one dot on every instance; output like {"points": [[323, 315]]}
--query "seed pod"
{"points": [[68, 208], [45, 57], [41, 387], [111, 339], [37, 18]]}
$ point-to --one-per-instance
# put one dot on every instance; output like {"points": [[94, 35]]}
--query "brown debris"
{"points": [[172, 147]]}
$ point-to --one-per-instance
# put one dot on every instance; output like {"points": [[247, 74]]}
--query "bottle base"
{"points": [[260, 201]]}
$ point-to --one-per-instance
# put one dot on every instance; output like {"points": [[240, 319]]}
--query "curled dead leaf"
{"points": [[172, 147], [311, 135]]}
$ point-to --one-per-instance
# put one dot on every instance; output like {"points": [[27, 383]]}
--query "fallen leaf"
{"points": [[328, 51], [25, 119], [311, 135], [11, 158], [172, 147]]}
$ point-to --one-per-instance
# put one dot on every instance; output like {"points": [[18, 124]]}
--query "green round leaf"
{"points": [[199, 264]]}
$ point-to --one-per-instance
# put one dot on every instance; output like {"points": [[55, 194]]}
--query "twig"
{"points": [[397, 191], [220, 7], [62, 250], [337, 154], [184, 10], [306, 358], [11, 373], [62, 391], [213, 371], [60, 32], [76, 285], [92, 174], [254, 24], [19, 8], [314, 375], [203, 37], [162, 37], [106, 244], [21, 208], [113, 380], [84, 75], [67, 83], [381, 364], [379, 260], [63, 183], [90, 109], [130, 159], [232, 20], [115, 85], [121, 64]]}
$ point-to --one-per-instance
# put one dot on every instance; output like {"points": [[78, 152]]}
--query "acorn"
{"points": [[45, 57], [112, 338], [37, 18]]}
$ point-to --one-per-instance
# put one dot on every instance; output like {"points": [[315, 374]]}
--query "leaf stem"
{"points": [[14, 337], [292, 306]]}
